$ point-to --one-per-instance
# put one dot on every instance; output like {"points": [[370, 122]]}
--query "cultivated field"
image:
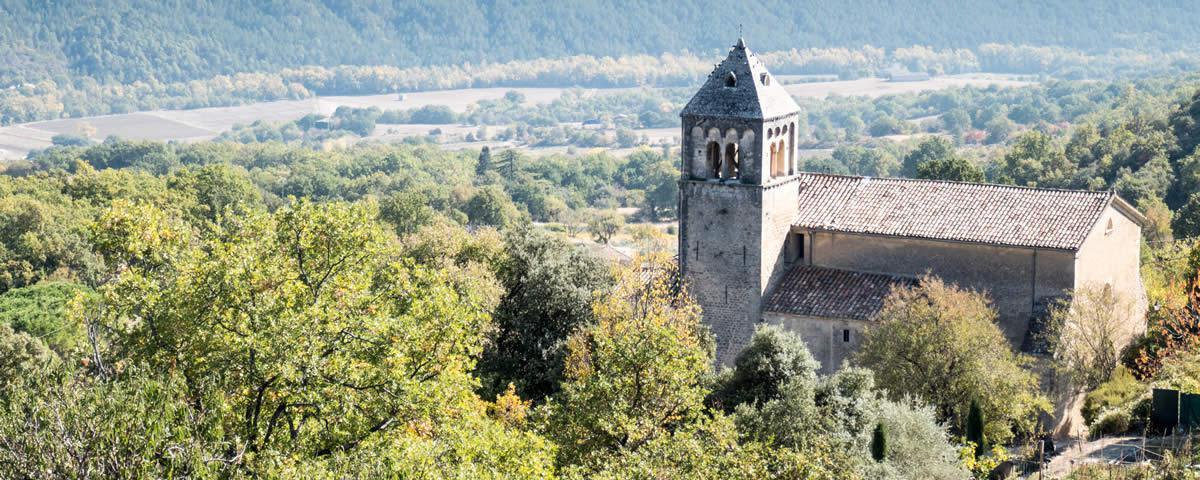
{"points": [[205, 123]]}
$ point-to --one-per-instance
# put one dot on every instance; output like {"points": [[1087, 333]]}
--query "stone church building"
{"points": [[762, 242]]}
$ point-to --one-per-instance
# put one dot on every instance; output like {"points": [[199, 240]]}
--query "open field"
{"points": [[201, 124], [877, 87]]}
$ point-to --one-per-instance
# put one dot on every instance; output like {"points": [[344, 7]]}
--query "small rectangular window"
{"points": [[846, 335]]}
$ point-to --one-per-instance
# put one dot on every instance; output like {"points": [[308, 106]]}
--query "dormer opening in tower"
{"points": [[731, 80]]}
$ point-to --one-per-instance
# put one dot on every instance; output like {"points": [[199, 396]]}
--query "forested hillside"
{"points": [[130, 40]]}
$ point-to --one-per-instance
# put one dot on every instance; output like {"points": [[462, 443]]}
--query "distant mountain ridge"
{"points": [[148, 40]]}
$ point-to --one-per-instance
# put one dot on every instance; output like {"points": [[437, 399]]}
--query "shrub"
{"points": [[1111, 422], [1119, 392]]}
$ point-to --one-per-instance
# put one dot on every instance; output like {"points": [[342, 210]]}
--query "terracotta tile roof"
{"points": [[968, 212], [826, 292]]}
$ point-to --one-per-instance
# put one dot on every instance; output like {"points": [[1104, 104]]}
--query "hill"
{"points": [[144, 40]]}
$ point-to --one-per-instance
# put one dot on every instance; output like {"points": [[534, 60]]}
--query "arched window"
{"points": [[714, 160], [774, 159], [732, 162], [731, 80]]}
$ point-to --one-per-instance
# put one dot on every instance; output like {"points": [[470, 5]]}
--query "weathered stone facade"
{"points": [[748, 216], [737, 193]]}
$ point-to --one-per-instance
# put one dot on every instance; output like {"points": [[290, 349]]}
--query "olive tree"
{"points": [[940, 344]]}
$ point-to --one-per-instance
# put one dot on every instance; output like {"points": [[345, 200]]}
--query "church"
{"points": [[761, 241]]}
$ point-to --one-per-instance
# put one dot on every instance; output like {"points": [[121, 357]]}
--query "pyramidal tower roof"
{"points": [[741, 87]]}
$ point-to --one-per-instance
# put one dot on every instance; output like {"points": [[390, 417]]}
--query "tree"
{"points": [[998, 129], [407, 211], [218, 190], [940, 344], [484, 164], [975, 428], [62, 424], [1158, 216], [1036, 160], [956, 169], [837, 411], [1086, 334], [635, 374], [1184, 124], [21, 355], [934, 148], [515, 97], [510, 162], [434, 115], [879, 443], [710, 450], [491, 206], [773, 358], [886, 125], [41, 311], [918, 446], [956, 121], [549, 286], [603, 225], [1187, 218], [302, 320]]}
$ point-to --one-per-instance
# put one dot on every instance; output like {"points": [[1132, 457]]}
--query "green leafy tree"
{"points": [[918, 446], [837, 411], [955, 169], [710, 450], [935, 148], [492, 207], [62, 424], [941, 344], [21, 355], [604, 225], [886, 125], [1036, 160], [773, 358], [302, 320], [999, 129], [549, 286], [217, 190], [41, 311], [1185, 123], [407, 211], [1187, 218], [634, 375]]}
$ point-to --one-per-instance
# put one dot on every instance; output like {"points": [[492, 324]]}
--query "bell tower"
{"points": [[738, 195]]}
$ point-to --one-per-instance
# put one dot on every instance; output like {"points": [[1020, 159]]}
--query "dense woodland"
{"points": [[137, 40]]}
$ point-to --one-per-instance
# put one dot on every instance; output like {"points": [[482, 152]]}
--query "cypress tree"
{"points": [[485, 161], [879, 443], [975, 427]]}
